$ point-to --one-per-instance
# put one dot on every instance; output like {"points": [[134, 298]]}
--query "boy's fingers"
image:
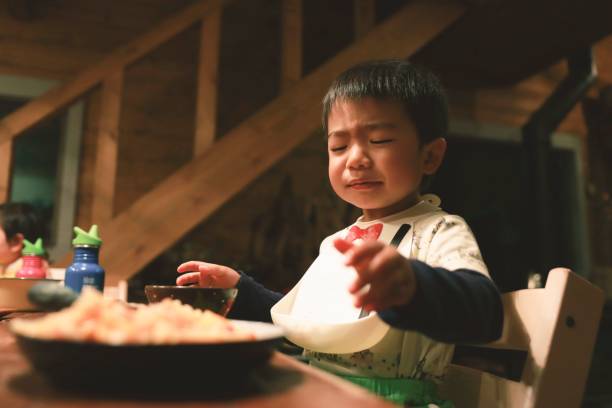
{"points": [[375, 278], [356, 285], [370, 272], [361, 253], [386, 293], [190, 266], [371, 300], [202, 267], [188, 278], [365, 275], [342, 245], [386, 260], [377, 298], [209, 270], [386, 286], [371, 268]]}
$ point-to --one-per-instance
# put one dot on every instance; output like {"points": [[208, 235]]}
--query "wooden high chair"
{"points": [[556, 326]]}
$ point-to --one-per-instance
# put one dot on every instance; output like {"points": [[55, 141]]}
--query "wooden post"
{"points": [[208, 72], [291, 32], [365, 14], [6, 156], [106, 150]]}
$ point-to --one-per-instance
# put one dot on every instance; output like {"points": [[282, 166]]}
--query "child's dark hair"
{"points": [[20, 218], [420, 92]]}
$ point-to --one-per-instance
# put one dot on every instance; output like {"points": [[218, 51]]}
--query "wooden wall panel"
{"points": [[320, 18], [291, 40], [86, 186], [107, 148], [157, 118], [64, 37], [365, 16], [249, 69], [207, 83]]}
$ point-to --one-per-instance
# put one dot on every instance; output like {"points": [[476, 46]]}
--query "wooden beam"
{"points": [[365, 16], [6, 161], [208, 67], [107, 148], [200, 187], [512, 105], [291, 38], [52, 101]]}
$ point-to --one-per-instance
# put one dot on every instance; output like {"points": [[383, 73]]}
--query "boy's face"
{"points": [[375, 161], [10, 250]]}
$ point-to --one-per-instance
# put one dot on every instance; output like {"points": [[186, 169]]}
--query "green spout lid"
{"points": [[90, 238], [33, 248]]}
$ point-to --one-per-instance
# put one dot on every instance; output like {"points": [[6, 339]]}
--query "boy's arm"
{"points": [[254, 301], [462, 306], [455, 300]]}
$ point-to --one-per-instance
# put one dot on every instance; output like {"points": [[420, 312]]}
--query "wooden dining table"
{"points": [[282, 382]]}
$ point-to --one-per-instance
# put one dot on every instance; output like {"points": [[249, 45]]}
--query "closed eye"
{"points": [[381, 141], [337, 148]]}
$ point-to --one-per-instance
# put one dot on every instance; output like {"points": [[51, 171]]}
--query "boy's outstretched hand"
{"points": [[389, 274], [207, 275]]}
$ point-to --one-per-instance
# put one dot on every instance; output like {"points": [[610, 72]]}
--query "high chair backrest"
{"points": [[556, 326]]}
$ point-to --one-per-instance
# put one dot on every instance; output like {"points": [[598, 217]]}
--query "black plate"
{"points": [[94, 365]]}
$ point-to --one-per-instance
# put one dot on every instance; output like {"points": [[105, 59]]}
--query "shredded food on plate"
{"points": [[94, 318]]}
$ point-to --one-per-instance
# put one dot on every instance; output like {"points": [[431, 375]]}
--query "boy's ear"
{"points": [[433, 155], [16, 243]]}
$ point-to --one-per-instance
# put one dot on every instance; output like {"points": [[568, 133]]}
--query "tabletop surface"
{"points": [[282, 382]]}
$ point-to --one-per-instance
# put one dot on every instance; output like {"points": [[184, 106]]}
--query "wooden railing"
{"points": [[109, 74], [225, 166]]}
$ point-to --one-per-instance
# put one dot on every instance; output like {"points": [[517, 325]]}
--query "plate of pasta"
{"points": [[104, 342]]}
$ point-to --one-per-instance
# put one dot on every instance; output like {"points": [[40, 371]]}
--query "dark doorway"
{"points": [[480, 180]]}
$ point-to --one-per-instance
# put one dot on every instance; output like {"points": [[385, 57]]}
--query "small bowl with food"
{"points": [[218, 300]]}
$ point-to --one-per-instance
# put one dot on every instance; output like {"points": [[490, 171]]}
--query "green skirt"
{"points": [[411, 392]]}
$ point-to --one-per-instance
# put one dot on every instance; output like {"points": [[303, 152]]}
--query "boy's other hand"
{"points": [[207, 275], [389, 274]]}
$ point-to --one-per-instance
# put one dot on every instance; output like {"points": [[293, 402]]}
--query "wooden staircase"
{"points": [[220, 168]]}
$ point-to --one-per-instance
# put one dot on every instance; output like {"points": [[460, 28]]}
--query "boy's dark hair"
{"points": [[20, 218], [419, 90]]}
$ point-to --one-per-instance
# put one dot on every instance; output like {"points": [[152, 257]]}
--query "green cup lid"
{"points": [[87, 238], [36, 248]]}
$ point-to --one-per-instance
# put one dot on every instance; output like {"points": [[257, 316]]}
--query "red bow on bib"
{"points": [[372, 232]]}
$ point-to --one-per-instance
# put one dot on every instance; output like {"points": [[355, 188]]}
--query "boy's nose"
{"points": [[358, 158]]}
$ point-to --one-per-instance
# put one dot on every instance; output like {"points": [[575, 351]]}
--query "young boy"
{"points": [[18, 221], [385, 123]]}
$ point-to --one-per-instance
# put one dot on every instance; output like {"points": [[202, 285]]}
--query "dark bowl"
{"points": [[215, 299], [151, 369]]}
